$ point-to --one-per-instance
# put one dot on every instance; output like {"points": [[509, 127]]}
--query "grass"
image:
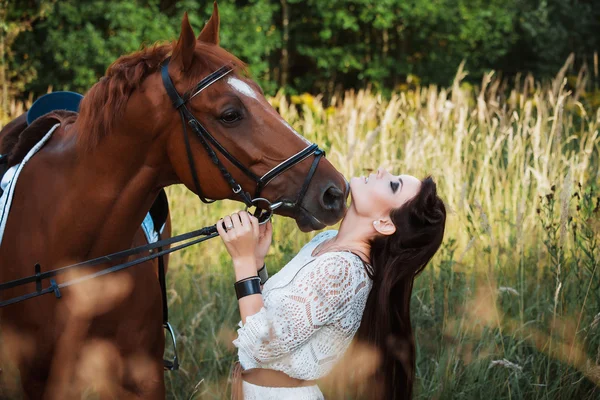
{"points": [[509, 308]]}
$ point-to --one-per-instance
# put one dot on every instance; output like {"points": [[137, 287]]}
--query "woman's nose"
{"points": [[380, 172]]}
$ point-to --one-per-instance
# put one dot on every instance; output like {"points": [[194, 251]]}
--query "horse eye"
{"points": [[231, 116]]}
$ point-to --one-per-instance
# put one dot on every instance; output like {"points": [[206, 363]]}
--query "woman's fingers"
{"points": [[222, 231], [237, 223], [255, 225], [228, 223], [245, 219]]}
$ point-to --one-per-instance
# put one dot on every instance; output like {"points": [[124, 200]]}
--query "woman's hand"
{"points": [[240, 236], [264, 242]]}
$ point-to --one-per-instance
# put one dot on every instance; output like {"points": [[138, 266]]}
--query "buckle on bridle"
{"points": [[237, 189]]}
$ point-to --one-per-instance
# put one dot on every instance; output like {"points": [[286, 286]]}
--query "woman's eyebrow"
{"points": [[402, 183]]}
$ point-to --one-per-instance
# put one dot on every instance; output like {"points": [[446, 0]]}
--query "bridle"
{"points": [[187, 118]]}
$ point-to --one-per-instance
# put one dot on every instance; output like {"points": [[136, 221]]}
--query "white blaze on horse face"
{"points": [[243, 88]]}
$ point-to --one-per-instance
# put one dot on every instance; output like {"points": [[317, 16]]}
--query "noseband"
{"points": [[187, 118]]}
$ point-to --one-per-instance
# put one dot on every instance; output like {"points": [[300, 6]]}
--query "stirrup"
{"points": [[168, 364]]}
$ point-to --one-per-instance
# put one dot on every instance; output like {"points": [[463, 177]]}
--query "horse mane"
{"points": [[104, 104]]}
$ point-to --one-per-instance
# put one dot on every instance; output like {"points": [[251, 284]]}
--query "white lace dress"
{"points": [[312, 309]]}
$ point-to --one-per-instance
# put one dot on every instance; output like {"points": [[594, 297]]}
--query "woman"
{"points": [[357, 281]]}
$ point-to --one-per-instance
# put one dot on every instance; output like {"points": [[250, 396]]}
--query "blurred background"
{"points": [[301, 46], [498, 100]]}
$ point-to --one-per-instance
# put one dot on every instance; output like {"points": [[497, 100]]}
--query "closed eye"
{"points": [[395, 186]]}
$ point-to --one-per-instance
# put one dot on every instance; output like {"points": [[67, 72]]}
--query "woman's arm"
{"points": [[317, 296], [246, 244], [249, 305]]}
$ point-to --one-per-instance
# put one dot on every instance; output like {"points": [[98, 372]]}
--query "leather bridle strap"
{"points": [[287, 164], [188, 118], [179, 104], [313, 168], [189, 238]]}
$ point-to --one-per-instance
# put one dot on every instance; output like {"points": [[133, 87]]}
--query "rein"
{"points": [[208, 233]]}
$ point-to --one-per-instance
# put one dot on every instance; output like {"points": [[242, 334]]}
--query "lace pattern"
{"points": [[312, 309]]}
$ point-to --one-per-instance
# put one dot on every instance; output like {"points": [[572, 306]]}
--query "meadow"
{"points": [[509, 308]]}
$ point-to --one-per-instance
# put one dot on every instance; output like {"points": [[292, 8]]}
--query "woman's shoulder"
{"points": [[340, 266], [337, 265], [318, 239], [322, 236]]}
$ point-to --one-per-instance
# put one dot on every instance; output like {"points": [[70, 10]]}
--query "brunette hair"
{"points": [[396, 260]]}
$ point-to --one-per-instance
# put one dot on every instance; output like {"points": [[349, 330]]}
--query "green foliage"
{"points": [[352, 41], [326, 45], [248, 31], [75, 44], [548, 30]]}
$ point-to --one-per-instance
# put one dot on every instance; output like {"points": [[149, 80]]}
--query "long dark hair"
{"points": [[396, 260]]}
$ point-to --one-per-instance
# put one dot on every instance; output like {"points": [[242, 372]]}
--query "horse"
{"points": [[85, 193]]}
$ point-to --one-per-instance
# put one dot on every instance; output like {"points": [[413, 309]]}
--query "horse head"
{"points": [[233, 111]]}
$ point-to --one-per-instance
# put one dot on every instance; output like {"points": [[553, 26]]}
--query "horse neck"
{"points": [[111, 188]]}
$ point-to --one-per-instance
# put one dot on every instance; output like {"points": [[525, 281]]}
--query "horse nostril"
{"points": [[333, 198]]}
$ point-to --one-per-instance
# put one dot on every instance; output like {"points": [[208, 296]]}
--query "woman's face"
{"points": [[375, 195]]}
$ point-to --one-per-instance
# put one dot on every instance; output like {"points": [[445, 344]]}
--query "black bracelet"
{"points": [[263, 274], [247, 287]]}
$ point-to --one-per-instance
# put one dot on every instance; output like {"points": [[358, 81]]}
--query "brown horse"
{"points": [[86, 192]]}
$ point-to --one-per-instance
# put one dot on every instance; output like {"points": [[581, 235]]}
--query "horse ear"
{"points": [[210, 33], [183, 53]]}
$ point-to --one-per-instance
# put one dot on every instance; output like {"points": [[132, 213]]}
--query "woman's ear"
{"points": [[384, 226]]}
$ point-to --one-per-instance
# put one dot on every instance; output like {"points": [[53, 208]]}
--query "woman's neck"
{"points": [[354, 234]]}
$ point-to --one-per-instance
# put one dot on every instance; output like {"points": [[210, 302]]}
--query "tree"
{"points": [[72, 47], [16, 18]]}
